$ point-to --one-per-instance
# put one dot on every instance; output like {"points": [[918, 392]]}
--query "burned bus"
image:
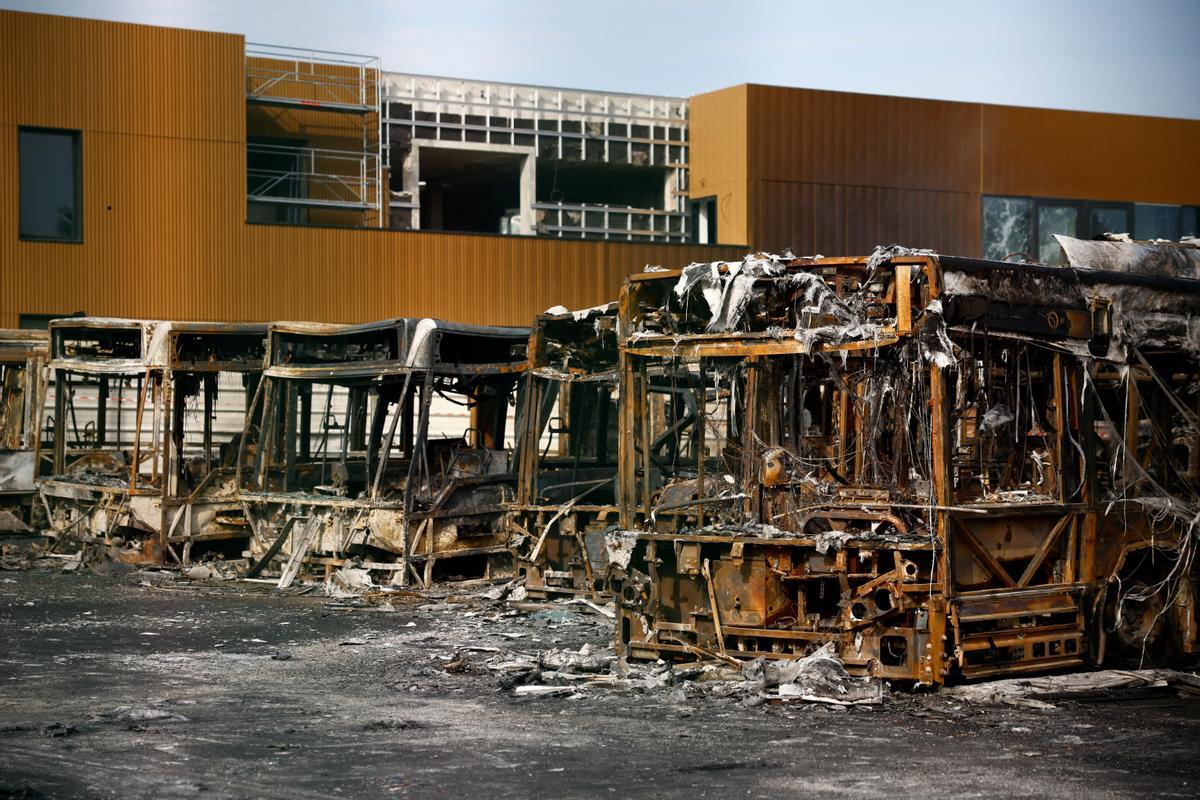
{"points": [[350, 466], [566, 454], [143, 430], [950, 468], [22, 384]]}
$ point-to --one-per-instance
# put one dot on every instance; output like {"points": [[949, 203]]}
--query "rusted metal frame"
{"points": [[626, 493], [941, 437], [289, 397], [137, 436], [642, 415], [584, 557], [69, 396], [798, 540], [843, 405], [1130, 455], [208, 478], [300, 547], [527, 439], [1044, 551], [375, 430], [699, 441], [37, 415], [267, 435], [156, 411], [856, 511], [985, 559], [1188, 415], [60, 432], [304, 433], [174, 436], [385, 455], [419, 447], [167, 482], [247, 424], [427, 578], [769, 347], [210, 391], [257, 567], [755, 413], [862, 420], [102, 413], [324, 445], [1060, 428], [902, 286], [562, 511]]}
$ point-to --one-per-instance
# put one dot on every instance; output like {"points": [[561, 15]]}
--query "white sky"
{"points": [[1136, 56]]}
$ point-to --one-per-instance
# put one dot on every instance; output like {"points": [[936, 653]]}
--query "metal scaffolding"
{"points": [[300, 176]]}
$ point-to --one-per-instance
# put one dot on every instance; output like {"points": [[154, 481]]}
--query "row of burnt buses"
{"points": [[951, 468]]}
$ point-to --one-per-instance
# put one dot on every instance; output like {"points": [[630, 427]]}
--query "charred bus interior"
{"points": [[22, 384], [143, 428], [902, 455], [351, 470], [566, 454]]}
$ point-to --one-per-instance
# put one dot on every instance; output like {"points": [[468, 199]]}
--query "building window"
{"points": [[704, 220], [1024, 227], [1157, 222], [1007, 227], [1052, 218], [1108, 218], [51, 189]]}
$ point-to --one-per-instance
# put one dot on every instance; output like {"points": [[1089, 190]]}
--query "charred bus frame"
{"points": [[900, 455], [566, 454], [160, 483], [22, 384], [395, 499]]}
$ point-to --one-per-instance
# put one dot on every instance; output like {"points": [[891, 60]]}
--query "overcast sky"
{"points": [[1135, 56]]}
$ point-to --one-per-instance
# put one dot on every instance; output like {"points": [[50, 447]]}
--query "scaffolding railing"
{"points": [[612, 222], [312, 78], [310, 176]]}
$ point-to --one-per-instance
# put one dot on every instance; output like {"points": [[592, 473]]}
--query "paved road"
{"points": [[148, 686]]}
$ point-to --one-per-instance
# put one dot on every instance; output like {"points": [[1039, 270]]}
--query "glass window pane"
{"points": [[1156, 222], [1007, 227], [1107, 220], [1190, 217], [1054, 219], [49, 182]]}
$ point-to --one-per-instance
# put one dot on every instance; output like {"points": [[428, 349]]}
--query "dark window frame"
{"points": [[983, 198], [1083, 220], [77, 161], [693, 212]]}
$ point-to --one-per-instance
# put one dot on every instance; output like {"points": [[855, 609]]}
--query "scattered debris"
{"points": [[141, 714], [820, 677], [1040, 692], [198, 573]]}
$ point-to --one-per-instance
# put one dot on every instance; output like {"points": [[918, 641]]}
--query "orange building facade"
{"points": [[161, 226]]}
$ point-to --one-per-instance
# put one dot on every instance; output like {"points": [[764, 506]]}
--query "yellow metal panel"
{"points": [[717, 123], [1071, 154], [814, 218], [851, 139], [134, 79]]}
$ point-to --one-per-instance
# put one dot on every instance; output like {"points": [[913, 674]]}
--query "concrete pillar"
{"points": [[410, 182], [528, 195]]}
